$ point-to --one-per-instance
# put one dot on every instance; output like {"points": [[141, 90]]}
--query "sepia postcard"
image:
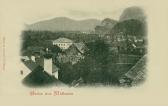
{"points": [[84, 52]]}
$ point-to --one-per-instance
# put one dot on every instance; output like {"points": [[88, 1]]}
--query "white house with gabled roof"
{"points": [[63, 43]]}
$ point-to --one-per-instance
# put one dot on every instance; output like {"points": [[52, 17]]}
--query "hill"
{"points": [[64, 24], [106, 25], [130, 27], [133, 13]]}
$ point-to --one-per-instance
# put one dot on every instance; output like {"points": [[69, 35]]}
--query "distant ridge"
{"points": [[64, 24]]}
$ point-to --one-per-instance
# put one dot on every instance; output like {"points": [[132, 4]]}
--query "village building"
{"points": [[81, 47], [39, 77], [73, 54], [63, 43], [136, 74], [24, 70], [25, 58], [45, 63]]}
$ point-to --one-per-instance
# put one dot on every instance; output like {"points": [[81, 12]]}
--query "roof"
{"points": [[39, 77], [24, 70], [30, 64], [63, 40], [137, 69], [72, 49], [80, 46], [136, 74]]}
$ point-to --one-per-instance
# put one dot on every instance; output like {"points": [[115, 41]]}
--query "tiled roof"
{"points": [[137, 69], [63, 40], [30, 64], [80, 46], [39, 77]]}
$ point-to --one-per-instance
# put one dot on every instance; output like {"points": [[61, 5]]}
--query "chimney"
{"points": [[48, 65], [33, 58], [50, 68], [55, 71]]}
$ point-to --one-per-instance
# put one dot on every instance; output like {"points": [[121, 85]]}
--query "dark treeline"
{"points": [[42, 38], [98, 66]]}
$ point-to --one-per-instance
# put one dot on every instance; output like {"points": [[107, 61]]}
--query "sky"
{"points": [[31, 11]]}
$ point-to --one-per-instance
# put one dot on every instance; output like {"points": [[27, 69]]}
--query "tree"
{"points": [[93, 69]]}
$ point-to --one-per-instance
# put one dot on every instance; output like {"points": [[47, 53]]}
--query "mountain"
{"points": [[133, 13], [130, 27], [106, 25], [64, 24]]}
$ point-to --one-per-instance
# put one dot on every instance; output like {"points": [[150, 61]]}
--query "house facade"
{"points": [[73, 54], [63, 43]]}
